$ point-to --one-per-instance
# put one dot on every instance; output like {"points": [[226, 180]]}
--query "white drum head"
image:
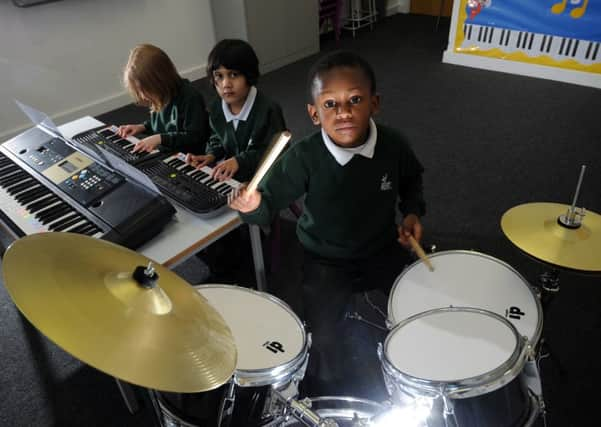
{"points": [[449, 346], [466, 279], [267, 333]]}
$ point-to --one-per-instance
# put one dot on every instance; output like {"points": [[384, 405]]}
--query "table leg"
{"points": [[257, 251]]}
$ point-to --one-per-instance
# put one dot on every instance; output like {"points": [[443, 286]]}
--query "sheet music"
{"points": [[130, 171], [38, 118]]}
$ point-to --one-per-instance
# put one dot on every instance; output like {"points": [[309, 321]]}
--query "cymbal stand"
{"points": [[549, 280], [573, 217]]}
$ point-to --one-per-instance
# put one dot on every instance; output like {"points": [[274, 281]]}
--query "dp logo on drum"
{"points": [[274, 346], [514, 313]]}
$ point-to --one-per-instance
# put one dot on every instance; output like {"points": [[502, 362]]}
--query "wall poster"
{"points": [[556, 33]]}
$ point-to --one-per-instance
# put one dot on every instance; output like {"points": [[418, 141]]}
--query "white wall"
{"points": [[65, 58]]}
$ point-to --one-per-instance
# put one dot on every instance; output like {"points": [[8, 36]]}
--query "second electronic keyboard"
{"points": [[106, 138], [193, 188]]}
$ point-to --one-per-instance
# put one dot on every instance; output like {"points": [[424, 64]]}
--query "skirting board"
{"points": [[98, 106], [524, 69]]}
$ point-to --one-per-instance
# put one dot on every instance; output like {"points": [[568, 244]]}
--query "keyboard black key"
{"points": [[41, 204], [66, 222]]}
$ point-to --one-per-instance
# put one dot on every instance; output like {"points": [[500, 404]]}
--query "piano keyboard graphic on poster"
{"points": [[558, 33]]}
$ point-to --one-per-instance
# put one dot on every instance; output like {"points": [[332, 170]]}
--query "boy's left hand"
{"points": [[147, 144], [226, 169], [410, 227]]}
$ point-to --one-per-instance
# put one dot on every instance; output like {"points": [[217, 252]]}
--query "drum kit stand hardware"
{"points": [[460, 348]]}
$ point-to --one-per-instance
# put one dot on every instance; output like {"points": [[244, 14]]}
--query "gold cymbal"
{"points": [[533, 227], [80, 293]]}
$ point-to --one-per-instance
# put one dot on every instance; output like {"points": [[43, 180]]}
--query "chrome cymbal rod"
{"points": [[569, 219]]}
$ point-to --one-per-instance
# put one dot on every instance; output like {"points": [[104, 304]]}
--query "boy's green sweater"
{"points": [[248, 142], [183, 123], [349, 211]]}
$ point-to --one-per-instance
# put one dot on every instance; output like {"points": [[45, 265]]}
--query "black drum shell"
{"points": [[202, 409], [508, 406]]}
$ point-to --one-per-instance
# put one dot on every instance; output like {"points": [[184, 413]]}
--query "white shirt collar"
{"points": [[244, 112], [344, 155]]}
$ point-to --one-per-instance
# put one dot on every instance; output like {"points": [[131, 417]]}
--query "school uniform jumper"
{"points": [[348, 231], [246, 135], [183, 123]]}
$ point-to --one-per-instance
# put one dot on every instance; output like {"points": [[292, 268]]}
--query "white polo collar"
{"points": [[344, 155], [244, 112]]}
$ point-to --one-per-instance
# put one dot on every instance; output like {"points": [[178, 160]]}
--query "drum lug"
{"points": [[226, 408], [449, 408]]}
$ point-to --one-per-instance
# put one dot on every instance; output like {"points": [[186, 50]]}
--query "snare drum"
{"points": [[346, 411], [467, 279], [458, 366], [272, 354]]}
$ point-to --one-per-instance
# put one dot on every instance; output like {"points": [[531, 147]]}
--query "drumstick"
{"points": [[420, 253], [271, 156]]}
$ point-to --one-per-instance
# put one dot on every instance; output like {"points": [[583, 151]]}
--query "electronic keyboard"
{"points": [[193, 188], [47, 185], [106, 137]]}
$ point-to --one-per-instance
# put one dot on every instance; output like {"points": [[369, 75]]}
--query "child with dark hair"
{"points": [[352, 173], [178, 117], [243, 120]]}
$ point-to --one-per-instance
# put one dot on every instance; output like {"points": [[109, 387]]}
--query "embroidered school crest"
{"points": [[385, 184]]}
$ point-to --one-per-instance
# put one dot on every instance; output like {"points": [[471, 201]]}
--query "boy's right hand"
{"points": [[199, 160], [128, 130], [246, 201]]}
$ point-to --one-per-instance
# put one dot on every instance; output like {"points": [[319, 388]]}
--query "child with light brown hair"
{"points": [[178, 117]]}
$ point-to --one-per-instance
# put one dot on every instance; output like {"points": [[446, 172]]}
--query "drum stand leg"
{"points": [[129, 396], [155, 404]]}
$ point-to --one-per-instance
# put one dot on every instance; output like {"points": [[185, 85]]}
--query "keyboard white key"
{"points": [[533, 44]]}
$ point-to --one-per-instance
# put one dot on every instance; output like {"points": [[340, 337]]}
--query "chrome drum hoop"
{"points": [[536, 298], [463, 388], [340, 409], [279, 375]]}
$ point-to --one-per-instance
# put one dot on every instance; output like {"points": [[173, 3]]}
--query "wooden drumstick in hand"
{"points": [[420, 252], [270, 157]]}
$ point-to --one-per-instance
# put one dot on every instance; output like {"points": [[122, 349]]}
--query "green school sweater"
{"points": [[349, 210], [248, 142], [183, 123]]}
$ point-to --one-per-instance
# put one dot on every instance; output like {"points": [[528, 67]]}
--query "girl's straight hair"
{"points": [[150, 77]]}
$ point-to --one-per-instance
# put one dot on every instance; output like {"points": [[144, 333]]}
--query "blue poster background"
{"points": [[535, 16]]}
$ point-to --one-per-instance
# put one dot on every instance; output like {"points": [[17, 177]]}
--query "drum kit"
{"points": [[460, 350]]}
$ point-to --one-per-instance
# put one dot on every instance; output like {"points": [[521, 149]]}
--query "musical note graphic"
{"points": [[558, 8], [576, 12]]}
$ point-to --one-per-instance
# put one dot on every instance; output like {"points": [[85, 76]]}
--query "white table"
{"points": [[187, 233]]}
